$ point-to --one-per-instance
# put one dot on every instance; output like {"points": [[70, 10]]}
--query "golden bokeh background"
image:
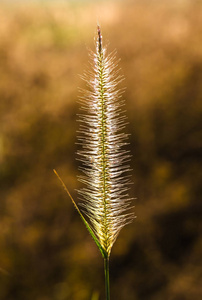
{"points": [[45, 251]]}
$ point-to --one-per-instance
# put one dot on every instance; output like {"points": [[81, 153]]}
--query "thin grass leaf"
{"points": [[104, 254]]}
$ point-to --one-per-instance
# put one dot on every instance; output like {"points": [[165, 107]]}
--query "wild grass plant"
{"points": [[105, 201], [161, 59]]}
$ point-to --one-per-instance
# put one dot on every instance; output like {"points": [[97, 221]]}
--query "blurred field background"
{"points": [[45, 251]]}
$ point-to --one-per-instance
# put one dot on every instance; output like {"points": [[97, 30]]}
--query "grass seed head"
{"points": [[104, 159]]}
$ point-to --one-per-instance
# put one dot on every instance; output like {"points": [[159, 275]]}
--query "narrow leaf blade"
{"points": [[103, 252]]}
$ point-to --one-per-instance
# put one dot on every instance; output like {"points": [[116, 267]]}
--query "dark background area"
{"points": [[45, 251]]}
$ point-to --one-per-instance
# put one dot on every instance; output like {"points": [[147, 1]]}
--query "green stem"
{"points": [[106, 267]]}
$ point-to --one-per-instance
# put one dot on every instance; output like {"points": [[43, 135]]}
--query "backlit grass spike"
{"points": [[105, 162], [105, 167]]}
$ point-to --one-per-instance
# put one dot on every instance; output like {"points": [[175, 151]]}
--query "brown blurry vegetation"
{"points": [[45, 252]]}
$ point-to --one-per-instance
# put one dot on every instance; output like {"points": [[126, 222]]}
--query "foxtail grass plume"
{"points": [[105, 161], [105, 167]]}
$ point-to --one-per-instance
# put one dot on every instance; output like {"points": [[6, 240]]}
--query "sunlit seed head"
{"points": [[104, 159]]}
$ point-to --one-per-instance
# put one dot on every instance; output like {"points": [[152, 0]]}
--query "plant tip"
{"points": [[99, 38]]}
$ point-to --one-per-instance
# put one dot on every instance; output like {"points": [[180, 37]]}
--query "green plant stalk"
{"points": [[103, 109], [106, 269]]}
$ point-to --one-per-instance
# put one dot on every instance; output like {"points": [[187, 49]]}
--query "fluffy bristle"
{"points": [[105, 162]]}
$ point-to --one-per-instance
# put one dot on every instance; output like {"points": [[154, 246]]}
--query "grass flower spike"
{"points": [[104, 160], [105, 167]]}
